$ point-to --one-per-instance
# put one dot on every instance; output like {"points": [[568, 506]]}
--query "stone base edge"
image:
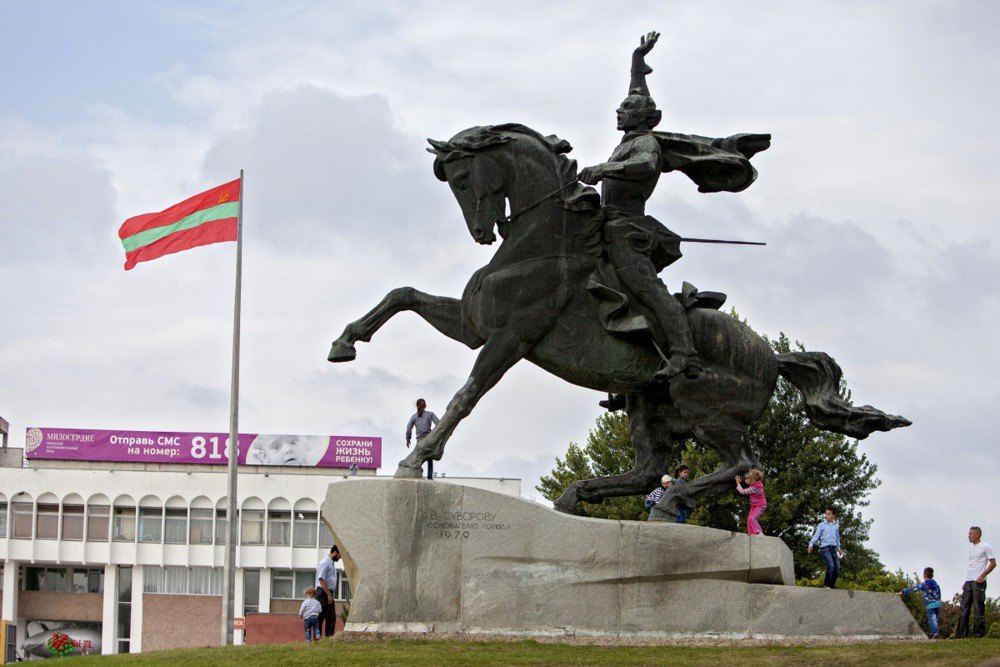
{"points": [[446, 628]]}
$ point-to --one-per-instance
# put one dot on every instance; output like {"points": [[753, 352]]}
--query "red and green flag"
{"points": [[209, 217]]}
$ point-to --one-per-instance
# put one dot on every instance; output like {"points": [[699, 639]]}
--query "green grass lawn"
{"points": [[355, 650]]}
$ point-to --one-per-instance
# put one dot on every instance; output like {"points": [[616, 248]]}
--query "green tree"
{"points": [[805, 471], [608, 452]]}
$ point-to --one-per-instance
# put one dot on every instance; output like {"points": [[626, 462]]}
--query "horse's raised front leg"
{"points": [[653, 445], [727, 438], [495, 359], [441, 312]]}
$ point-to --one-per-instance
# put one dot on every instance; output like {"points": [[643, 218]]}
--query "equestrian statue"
{"points": [[573, 287]]}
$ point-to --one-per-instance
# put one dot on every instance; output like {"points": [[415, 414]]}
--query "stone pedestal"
{"points": [[430, 556]]}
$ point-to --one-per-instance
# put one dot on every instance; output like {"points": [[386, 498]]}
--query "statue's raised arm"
{"points": [[639, 161], [639, 67]]}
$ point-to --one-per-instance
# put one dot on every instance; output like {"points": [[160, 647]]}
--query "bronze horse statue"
{"points": [[536, 300]]}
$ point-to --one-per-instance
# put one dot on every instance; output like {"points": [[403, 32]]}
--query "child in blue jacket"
{"points": [[932, 599]]}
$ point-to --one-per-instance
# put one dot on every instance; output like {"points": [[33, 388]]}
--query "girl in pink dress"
{"points": [[758, 503]]}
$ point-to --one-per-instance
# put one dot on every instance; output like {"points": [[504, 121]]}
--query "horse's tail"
{"points": [[817, 376]]}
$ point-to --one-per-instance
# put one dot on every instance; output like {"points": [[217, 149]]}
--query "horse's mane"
{"points": [[577, 197]]}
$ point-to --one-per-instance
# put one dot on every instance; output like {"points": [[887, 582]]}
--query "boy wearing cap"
{"points": [[654, 497]]}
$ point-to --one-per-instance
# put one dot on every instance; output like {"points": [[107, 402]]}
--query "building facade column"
{"points": [[265, 591], [135, 631], [109, 610], [10, 579]]}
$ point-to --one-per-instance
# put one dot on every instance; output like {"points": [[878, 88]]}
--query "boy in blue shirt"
{"points": [[932, 599], [828, 536]]}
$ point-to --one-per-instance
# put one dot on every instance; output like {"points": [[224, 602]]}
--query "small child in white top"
{"points": [[309, 613]]}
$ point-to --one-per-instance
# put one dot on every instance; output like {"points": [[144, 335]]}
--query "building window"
{"points": [[304, 532], [48, 579], [205, 581], [88, 580], [124, 625], [325, 537], [125, 525], [252, 527], [220, 527], [151, 525], [72, 522], [183, 580], [175, 580], [47, 522], [279, 528], [62, 580], [22, 520], [175, 526], [251, 591], [289, 584], [3, 519], [201, 526], [282, 584], [344, 589], [97, 523]]}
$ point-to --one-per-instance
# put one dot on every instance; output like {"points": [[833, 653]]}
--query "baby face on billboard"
{"points": [[287, 450]]}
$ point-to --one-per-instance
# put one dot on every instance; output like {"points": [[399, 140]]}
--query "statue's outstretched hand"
{"points": [[591, 175], [647, 43]]}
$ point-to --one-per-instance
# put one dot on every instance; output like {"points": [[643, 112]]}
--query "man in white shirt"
{"points": [[981, 563]]}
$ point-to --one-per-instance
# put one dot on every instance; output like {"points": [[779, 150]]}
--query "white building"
{"points": [[133, 552]]}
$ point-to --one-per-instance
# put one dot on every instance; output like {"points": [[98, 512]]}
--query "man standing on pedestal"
{"points": [[423, 420], [326, 587], [981, 563]]}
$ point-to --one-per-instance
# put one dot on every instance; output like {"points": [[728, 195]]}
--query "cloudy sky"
{"points": [[877, 200]]}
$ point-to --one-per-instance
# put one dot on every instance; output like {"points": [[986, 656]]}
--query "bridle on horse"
{"points": [[525, 209]]}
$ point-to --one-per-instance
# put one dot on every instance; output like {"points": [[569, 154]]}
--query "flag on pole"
{"points": [[209, 217]]}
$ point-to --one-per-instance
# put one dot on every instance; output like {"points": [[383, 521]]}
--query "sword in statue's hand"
{"points": [[694, 240]]}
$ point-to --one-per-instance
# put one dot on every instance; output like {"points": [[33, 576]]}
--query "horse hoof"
{"points": [[565, 509], [340, 351], [565, 504], [406, 472]]}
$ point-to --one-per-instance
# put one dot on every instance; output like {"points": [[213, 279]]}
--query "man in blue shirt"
{"points": [[827, 534], [326, 585]]}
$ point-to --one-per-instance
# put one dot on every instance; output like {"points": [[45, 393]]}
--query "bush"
{"points": [[345, 611]]}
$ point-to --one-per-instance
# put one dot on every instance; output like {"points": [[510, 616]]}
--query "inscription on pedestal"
{"points": [[461, 525]]}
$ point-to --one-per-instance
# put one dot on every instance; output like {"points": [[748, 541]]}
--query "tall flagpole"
{"points": [[229, 572]]}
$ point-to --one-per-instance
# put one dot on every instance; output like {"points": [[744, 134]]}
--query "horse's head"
{"points": [[476, 177], [489, 166]]}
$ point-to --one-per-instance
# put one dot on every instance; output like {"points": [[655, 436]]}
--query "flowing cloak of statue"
{"points": [[715, 165]]}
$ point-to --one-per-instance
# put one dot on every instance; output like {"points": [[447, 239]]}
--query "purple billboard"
{"points": [[314, 451]]}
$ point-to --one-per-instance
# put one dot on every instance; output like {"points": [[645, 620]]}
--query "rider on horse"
{"points": [[638, 245]]}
